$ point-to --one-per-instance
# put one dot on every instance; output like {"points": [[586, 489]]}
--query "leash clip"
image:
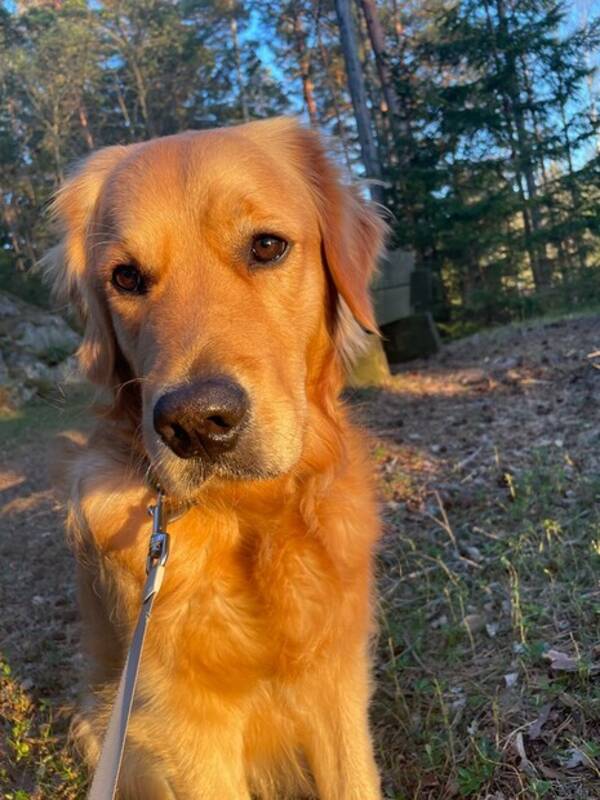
{"points": [[158, 550]]}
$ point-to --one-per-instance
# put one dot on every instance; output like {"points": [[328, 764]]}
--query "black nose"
{"points": [[203, 418]]}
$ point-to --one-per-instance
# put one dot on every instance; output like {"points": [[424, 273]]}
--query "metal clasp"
{"points": [[158, 551]]}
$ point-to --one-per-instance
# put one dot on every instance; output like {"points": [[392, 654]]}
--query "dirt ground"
{"points": [[488, 656]]}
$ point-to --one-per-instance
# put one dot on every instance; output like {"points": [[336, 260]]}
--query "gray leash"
{"points": [[106, 777]]}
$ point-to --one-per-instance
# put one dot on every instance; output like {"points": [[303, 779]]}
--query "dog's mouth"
{"points": [[187, 477]]}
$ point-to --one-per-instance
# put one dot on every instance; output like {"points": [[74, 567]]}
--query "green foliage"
{"points": [[490, 157], [26, 285], [502, 175], [76, 75]]}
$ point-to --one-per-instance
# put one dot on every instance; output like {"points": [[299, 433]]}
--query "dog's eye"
{"points": [[128, 278], [268, 248]]}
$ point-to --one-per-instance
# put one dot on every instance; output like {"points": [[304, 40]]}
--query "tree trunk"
{"points": [[541, 271], [564, 256], [304, 63], [127, 52], [238, 65], [9, 217], [333, 88], [516, 159], [573, 188], [398, 28], [375, 99], [87, 134], [123, 108], [377, 37], [399, 124], [359, 98]]}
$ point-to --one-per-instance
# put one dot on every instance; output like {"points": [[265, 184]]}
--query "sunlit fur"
{"points": [[255, 676]]}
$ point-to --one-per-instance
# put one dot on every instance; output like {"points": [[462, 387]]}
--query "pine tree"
{"points": [[494, 121]]}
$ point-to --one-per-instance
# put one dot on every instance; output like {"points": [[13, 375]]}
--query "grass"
{"points": [[36, 753], [36, 682], [43, 417], [472, 608], [488, 655], [460, 328]]}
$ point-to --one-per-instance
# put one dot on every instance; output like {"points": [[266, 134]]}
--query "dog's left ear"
{"points": [[352, 237], [352, 233]]}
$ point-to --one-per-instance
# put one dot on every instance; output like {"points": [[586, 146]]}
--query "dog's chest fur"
{"points": [[246, 597]]}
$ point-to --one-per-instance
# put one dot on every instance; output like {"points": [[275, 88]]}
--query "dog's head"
{"points": [[216, 273]]}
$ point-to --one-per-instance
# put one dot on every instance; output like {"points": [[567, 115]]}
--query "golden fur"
{"points": [[255, 674]]}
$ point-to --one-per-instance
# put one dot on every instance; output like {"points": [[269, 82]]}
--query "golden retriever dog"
{"points": [[223, 277]]}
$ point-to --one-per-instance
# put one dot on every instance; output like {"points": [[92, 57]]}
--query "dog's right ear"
{"points": [[66, 265]]}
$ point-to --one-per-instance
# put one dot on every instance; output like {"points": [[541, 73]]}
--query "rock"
{"points": [[512, 362], [8, 306], [511, 679], [27, 368], [46, 336], [36, 351], [474, 377], [491, 629], [474, 622], [67, 372], [4, 373]]}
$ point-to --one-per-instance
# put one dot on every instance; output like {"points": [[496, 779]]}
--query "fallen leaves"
{"points": [[561, 662], [511, 679], [525, 764], [534, 730], [575, 757]]}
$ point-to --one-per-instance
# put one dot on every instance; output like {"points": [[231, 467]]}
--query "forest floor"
{"points": [[488, 658]]}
